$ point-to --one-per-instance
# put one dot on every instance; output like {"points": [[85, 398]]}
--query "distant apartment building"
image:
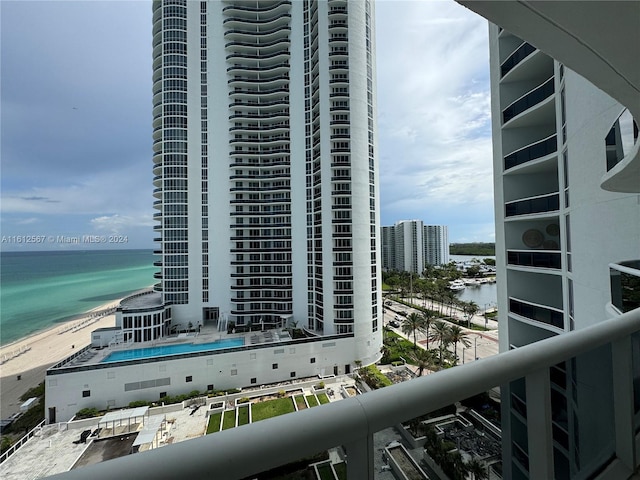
{"points": [[409, 246], [266, 196]]}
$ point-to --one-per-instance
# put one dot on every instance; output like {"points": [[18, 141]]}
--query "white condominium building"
{"points": [[265, 162], [563, 223], [409, 246]]}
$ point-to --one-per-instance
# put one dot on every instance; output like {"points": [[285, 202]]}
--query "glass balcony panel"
{"points": [[534, 259], [546, 203], [529, 100], [538, 313], [522, 52], [625, 285], [620, 139]]}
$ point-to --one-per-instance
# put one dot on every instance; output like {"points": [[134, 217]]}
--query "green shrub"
{"points": [[373, 377], [33, 392], [138, 403], [5, 444], [87, 413]]}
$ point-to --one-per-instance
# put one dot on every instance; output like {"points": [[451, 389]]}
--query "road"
{"points": [[483, 343]]}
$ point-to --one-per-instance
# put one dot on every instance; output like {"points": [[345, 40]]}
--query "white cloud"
{"points": [[434, 113], [116, 224], [27, 221], [117, 191]]}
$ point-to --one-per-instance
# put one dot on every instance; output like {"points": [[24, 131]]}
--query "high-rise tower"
{"points": [[265, 164]]}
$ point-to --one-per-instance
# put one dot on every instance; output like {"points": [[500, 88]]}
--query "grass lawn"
{"points": [[322, 398], [229, 419], [300, 402], [271, 408], [243, 415], [312, 400], [214, 423], [341, 470]]}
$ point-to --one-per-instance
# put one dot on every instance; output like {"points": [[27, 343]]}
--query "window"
{"points": [[293, 374], [210, 387], [274, 366], [234, 371], [253, 380], [163, 394], [312, 360], [86, 393], [188, 379]]}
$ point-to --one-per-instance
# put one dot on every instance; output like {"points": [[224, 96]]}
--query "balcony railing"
{"points": [[525, 258], [522, 52], [538, 313], [528, 100], [352, 422], [541, 204], [531, 152]]}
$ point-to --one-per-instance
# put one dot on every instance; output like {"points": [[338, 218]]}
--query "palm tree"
{"points": [[440, 333], [427, 320], [456, 334], [423, 360], [469, 309], [411, 324], [477, 469]]}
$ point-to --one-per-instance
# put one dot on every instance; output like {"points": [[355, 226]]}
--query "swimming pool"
{"points": [[164, 350]]}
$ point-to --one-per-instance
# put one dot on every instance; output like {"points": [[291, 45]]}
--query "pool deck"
{"points": [[92, 356]]}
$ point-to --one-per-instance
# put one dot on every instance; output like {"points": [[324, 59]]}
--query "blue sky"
{"points": [[76, 120]]}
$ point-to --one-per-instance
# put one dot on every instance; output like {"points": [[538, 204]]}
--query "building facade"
{"points": [[410, 246], [559, 231], [266, 196], [265, 163], [264, 154]]}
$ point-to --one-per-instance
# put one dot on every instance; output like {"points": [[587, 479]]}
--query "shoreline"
{"points": [[60, 325], [25, 361]]}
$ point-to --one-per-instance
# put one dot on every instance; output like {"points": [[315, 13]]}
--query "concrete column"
{"points": [[539, 433]]}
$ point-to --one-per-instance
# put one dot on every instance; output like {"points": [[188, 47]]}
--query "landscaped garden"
{"points": [[261, 410], [271, 408]]}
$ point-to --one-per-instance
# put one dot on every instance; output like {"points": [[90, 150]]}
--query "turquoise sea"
{"points": [[40, 289]]}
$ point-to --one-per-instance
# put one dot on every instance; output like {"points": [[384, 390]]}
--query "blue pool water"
{"points": [[165, 350]]}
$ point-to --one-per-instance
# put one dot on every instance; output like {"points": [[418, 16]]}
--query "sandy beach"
{"points": [[29, 358]]}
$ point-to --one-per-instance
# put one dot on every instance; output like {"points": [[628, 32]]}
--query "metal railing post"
{"points": [[539, 434], [360, 458], [622, 376]]}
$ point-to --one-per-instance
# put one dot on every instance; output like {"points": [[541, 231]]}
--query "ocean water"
{"points": [[40, 289]]}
